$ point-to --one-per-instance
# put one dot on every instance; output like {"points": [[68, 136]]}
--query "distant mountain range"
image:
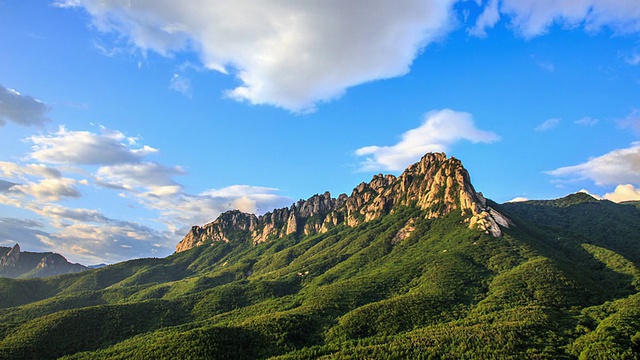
{"points": [[17, 264], [415, 266]]}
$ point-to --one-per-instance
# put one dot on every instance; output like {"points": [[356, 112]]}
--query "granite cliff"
{"points": [[435, 184]]}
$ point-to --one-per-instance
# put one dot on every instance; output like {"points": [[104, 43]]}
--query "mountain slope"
{"points": [[401, 283], [599, 222]]}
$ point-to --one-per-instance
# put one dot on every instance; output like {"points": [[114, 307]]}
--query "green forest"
{"points": [[561, 284]]}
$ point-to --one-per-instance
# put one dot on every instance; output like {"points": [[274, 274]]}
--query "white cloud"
{"points": [[623, 192], [587, 121], [16, 171], [152, 177], [21, 109], [288, 54], [86, 148], [531, 18], [439, 130], [616, 167], [518, 199], [48, 189], [181, 85], [52, 187], [89, 236], [487, 19], [59, 213], [547, 125]]}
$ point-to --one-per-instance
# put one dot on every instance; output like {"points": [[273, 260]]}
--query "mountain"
{"points": [[17, 264], [435, 184], [598, 222], [418, 266]]}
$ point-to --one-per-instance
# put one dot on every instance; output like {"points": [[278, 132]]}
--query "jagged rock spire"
{"points": [[11, 258], [435, 184]]}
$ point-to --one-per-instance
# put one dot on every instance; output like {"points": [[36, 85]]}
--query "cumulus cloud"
{"points": [[86, 148], [547, 125], [531, 18], [616, 167], [439, 130], [285, 53], [21, 109], [623, 192]]}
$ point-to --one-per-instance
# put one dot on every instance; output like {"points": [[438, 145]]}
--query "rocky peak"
{"points": [[440, 185], [10, 259], [15, 263], [436, 184], [229, 222]]}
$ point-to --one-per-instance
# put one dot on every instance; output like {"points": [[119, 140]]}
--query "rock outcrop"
{"points": [[11, 258], [15, 263], [436, 184]]}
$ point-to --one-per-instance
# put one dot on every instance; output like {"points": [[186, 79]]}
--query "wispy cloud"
{"points": [[620, 166], [440, 129], [633, 59], [547, 125], [532, 18], [587, 121], [21, 109], [181, 84], [631, 121]]}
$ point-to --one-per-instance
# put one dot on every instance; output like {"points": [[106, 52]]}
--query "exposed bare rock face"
{"points": [[14, 263], [231, 222], [10, 259], [436, 184]]}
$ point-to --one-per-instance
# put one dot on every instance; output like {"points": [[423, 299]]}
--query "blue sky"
{"points": [[123, 123]]}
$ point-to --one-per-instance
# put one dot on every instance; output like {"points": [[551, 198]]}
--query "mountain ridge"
{"points": [[15, 263], [562, 284], [436, 184]]}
